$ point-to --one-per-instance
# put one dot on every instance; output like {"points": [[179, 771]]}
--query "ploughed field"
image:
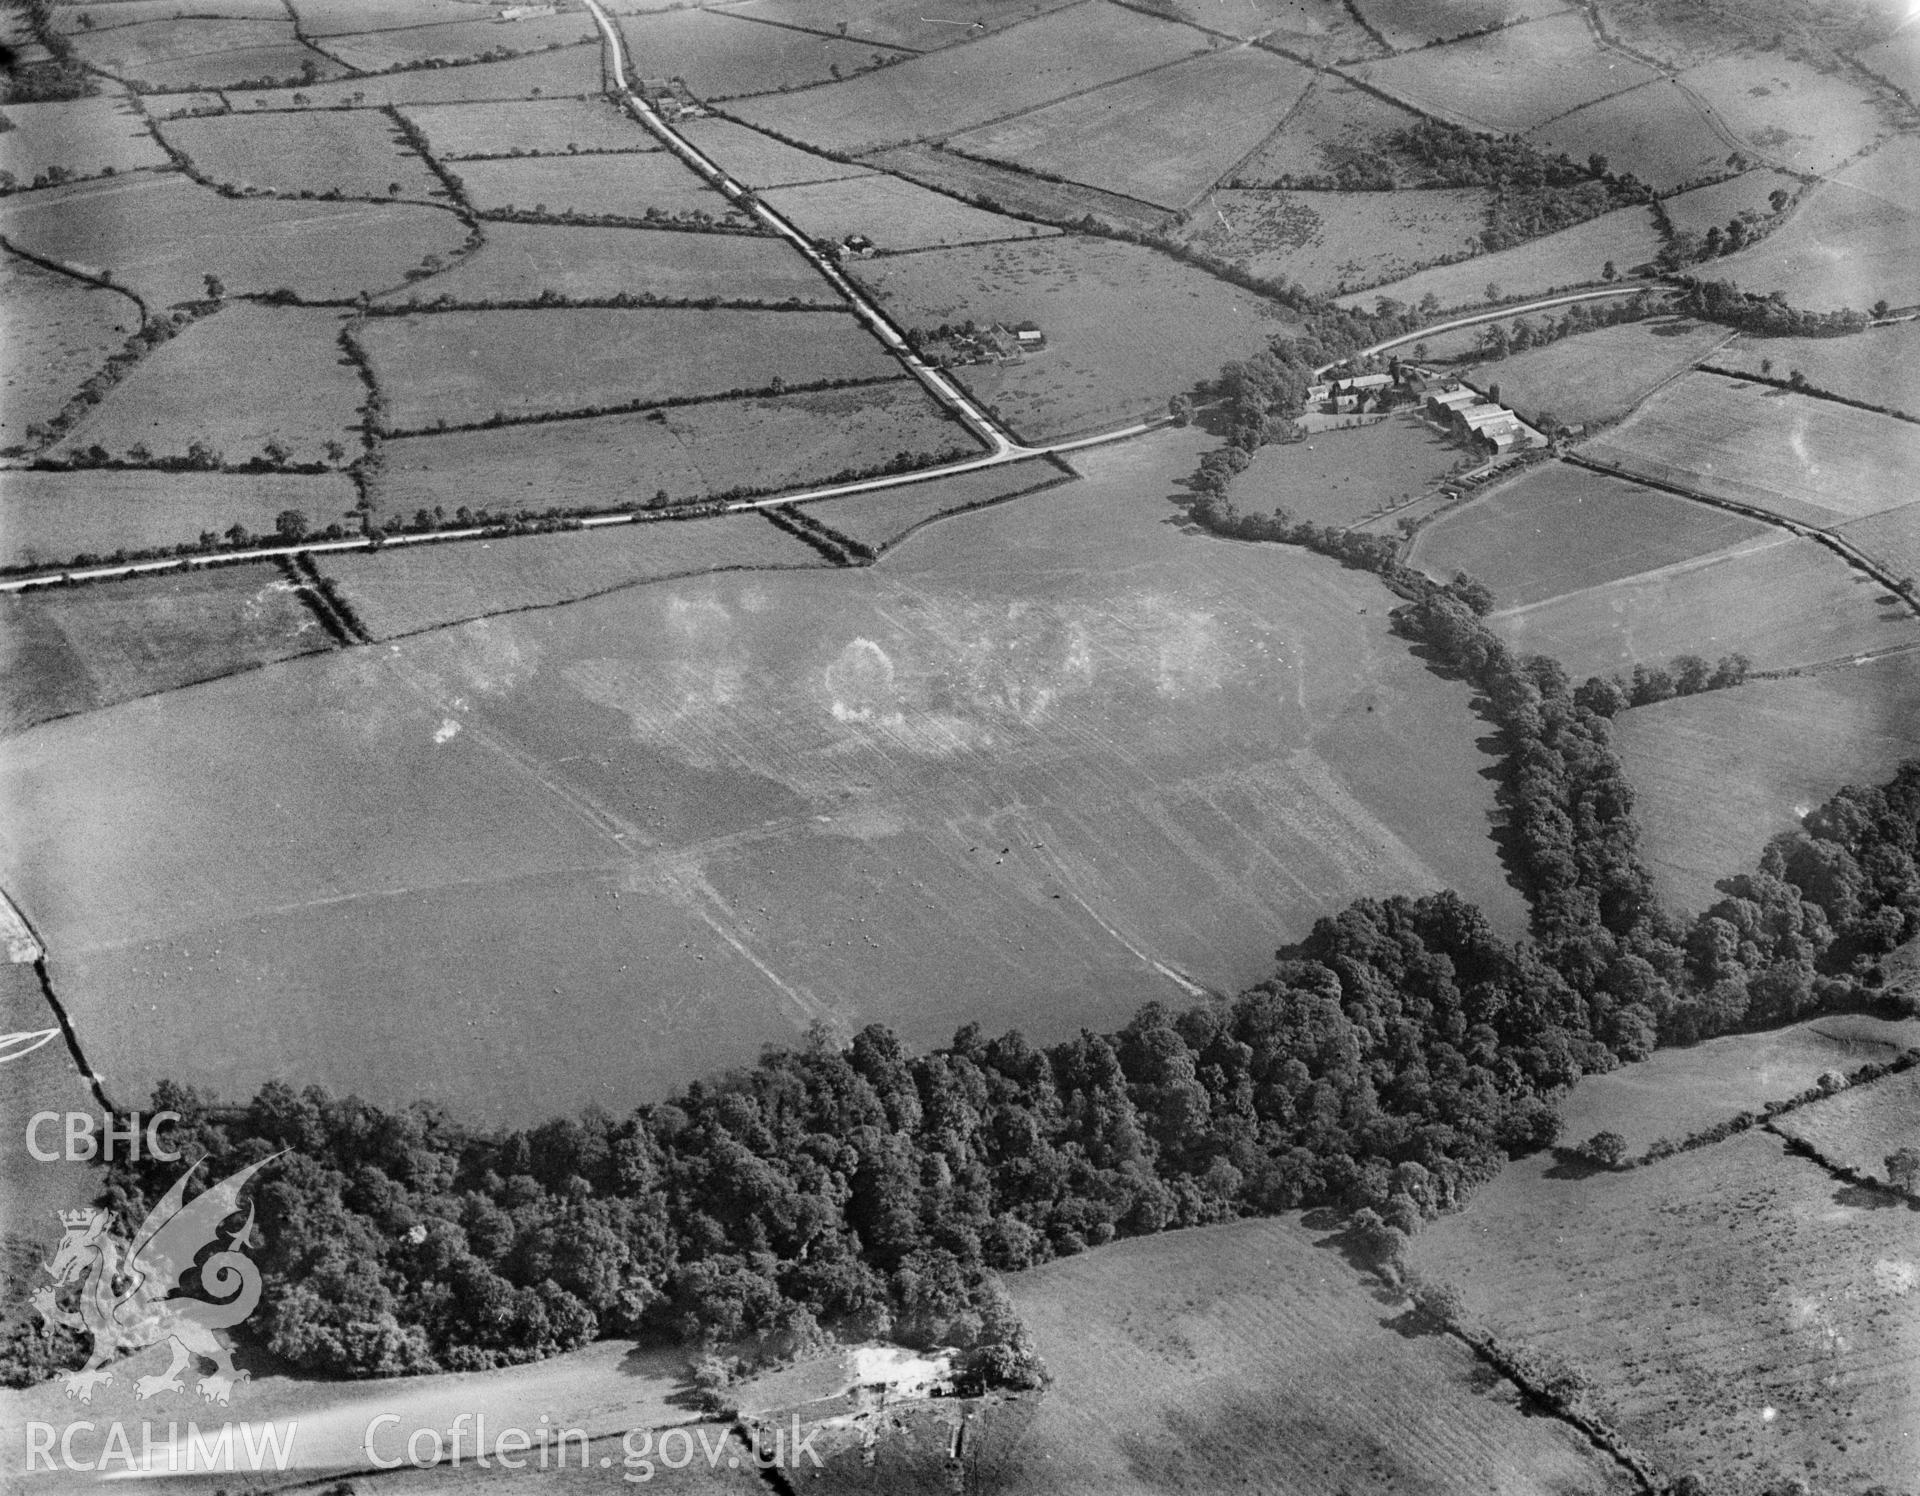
{"points": [[583, 852]]}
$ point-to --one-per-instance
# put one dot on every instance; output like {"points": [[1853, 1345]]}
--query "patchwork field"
{"points": [[896, 215], [237, 380], [1735, 1309], [1677, 37], [1334, 119], [757, 160], [1335, 241], [212, 53], [57, 331], [1794, 115], [1878, 367], [532, 127], [1342, 477], [1512, 80], [1572, 257], [466, 40], [1164, 137], [621, 186], [691, 451], [353, 153], [461, 368], [1321, 31], [1715, 206], [48, 518], [160, 236], [1717, 776], [521, 261], [1793, 455], [1062, 53], [1858, 1128], [77, 649], [1250, 1355], [1418, 23], [69, 19], [1850, 243], [1001, 188], [337, 17], [883, 519], [1600, 375], [570, 72], [1656, 132], [84, 137], [1892, 538], [1560, 529], [897, 23], [1102, 366], [723, 57], [798, 786], [405, 589]]}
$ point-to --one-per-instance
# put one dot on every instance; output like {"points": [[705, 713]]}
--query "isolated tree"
{"points": [[1606, 1149], [1903, 1170], [216, 290], [1796, 379], [1778, 199], [239, 535], [1766, 367], [1180, 407], [290, 525], [1881, 308]]}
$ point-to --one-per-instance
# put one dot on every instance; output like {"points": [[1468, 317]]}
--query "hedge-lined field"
{"points": [[57, 332], [357, 153]]}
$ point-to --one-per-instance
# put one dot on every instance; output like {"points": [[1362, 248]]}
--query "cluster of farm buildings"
{"points": [[1469, 415]]}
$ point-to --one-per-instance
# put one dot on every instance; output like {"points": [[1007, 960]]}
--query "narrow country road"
{"points": [[1625, 288]]}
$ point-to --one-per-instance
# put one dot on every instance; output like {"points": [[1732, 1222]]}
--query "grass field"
{"points": [[1250, 1356], [1511, 80], [1334, 116], [757, 160], [82, 648], [1898, 61], [83, 136], [1322, 31], [1341, 477], [690, 450], [520, 261], [1892, 538], [798, 784], [405, 589], [1716, 776], [1000, 187], [1656, 132], [457, 41], [244, 377], [57, 332], [185, 54], [1714, 206], [1796, 116], [723, 57], [1572, 257], [1164, 137], [1880, 366], [896, 23], [896, 215], [1793, 455], [340, 17], [1782, 601], [356, 153], [1858, 1128], [571, 72], [1126, 328], [70, 19], [1418, 23], [1065, 52], [1736, 1309], [622, 186], [1333, 241], [1561, 529], [1850, 242], [1599, 375], [1677, 37], [160, 236], [883, 519], [51, 517], [460, 368], [535, 127]]}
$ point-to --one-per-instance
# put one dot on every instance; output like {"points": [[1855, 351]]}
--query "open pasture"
{"points": [[570, 72], [352, 153], [342, 17], [1657, 132], [1250, 1356], [57, 331], [1676, 36], [1065, 52], [882, 519], [893, 23], [1892, 538], [1322, 31], [1572, 257], [1850, 243], [161, 236], [1003, 189], [721, 56], [83, 137], [1897, 60], [461, 368], [1880, 366], [623, 186], [1717, 776], [1716, 205], [531, 127], [238, 380], [404, 589], [799, 784], [895, 215], [1334, 120], [77, 649], [1407, 24], [758, 160], [1858, 1128], [1735, 1309], [1790, 113], [1603, 374], [1511, 80], [691, 451], [1558, 529], [458, 41], [73, 19], [1342, 477], [522, 261], [203, 53], [1793, 455], [1335, 241], [48, 518], [1126, 328], [1164, 137], [1778, 599]]}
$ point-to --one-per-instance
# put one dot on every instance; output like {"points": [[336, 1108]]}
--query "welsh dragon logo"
{"points": [[124, 1292]]}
